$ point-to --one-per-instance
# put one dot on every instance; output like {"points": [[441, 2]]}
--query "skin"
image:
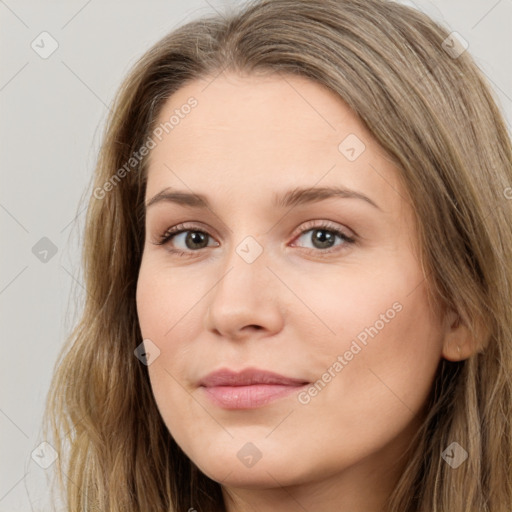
{"points": [[294, 309]]}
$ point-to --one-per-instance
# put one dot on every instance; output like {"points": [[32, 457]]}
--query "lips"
{"points": [[248, 389], [247, 378]]}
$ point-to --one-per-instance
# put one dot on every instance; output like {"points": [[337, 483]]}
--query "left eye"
{"points": [[323, 237]]}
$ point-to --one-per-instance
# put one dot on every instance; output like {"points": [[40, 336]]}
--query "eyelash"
{"points": [[169, 234]]}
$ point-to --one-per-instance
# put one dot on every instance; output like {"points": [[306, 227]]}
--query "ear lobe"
{"points": [[459, 343]]}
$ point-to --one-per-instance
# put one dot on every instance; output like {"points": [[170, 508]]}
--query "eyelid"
{"points": [[325, 224]]}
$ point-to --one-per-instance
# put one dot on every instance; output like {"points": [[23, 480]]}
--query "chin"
{"points": [[253, 465], [261, 476]]}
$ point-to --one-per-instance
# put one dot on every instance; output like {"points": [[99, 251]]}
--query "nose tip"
{"points": [[236, 311]]}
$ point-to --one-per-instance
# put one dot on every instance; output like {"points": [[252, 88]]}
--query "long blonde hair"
{"points": [[432, 110]]}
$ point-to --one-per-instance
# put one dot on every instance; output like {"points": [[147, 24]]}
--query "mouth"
{"points": [[248, 389]]}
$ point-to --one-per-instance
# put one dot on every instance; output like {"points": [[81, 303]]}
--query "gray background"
{"points": [[52, 116]]}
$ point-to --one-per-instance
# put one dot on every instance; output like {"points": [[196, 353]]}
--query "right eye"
{"points": [[191, 238]]}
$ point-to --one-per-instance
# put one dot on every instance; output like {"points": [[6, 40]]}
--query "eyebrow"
{"points": [[294, 197]]}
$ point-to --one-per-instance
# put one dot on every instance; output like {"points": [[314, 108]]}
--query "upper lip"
{"points": [[247, 377]]}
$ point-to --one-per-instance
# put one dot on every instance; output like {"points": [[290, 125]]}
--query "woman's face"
{"points": [[275, 272]]}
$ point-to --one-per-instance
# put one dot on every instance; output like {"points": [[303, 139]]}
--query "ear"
{"points": [[458, 342]]}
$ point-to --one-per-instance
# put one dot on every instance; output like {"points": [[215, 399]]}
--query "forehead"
{"points": [[261, 133], [251, 109]]}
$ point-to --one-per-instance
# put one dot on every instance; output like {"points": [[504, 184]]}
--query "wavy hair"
{"points": [[433, 111]]}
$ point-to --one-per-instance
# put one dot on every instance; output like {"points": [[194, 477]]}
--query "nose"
{"points": [[245, 301]]}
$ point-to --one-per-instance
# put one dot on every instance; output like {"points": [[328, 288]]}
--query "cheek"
{"points": [[170, 315], [404, 338], [383, 358], [400, 351], [166, 300]]}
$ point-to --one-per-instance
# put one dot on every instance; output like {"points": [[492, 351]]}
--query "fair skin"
{"points": [[295, 308]]}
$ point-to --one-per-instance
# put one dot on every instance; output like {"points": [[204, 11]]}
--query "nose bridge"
{"points": [[243, 295], [245, 270]]}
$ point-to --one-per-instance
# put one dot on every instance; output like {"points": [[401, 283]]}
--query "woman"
{"points": [[370, 369]]}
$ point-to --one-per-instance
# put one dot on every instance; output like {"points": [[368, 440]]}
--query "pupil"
{"points": [[195, 237], [325, 239]]}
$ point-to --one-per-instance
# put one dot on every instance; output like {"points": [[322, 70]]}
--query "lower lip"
{"points": [[248, 397]]}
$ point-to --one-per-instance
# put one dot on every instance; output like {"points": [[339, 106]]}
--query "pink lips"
{"points": [[248, 389]]}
